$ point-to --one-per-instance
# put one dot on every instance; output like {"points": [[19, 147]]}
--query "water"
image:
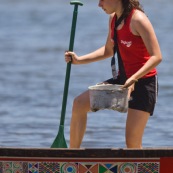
{"points": [[34, 35]]}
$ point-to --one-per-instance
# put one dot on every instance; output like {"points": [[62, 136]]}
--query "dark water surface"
{"points": [[33, 37]]}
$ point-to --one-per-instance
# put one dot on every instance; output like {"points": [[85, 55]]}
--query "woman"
{"points": [[139, 51]]}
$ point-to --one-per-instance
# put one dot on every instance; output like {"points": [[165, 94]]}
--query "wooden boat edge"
{"points": [[87, 152]]}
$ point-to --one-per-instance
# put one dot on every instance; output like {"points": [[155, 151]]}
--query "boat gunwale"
{"points": [[86, 153]]}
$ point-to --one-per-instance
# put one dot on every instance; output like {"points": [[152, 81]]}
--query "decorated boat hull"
{"points": [[34, 160]]}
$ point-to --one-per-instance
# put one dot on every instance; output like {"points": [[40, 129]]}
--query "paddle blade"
{"points": [[60, 141]]}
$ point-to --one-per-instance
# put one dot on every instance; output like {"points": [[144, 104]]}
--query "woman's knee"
{"points": [[81, 102], [77, 101]]}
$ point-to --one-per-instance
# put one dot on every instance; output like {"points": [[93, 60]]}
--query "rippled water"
{"points": [[33, 37]]}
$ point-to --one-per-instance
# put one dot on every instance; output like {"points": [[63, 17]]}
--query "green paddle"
{"points": [[60, 141]]}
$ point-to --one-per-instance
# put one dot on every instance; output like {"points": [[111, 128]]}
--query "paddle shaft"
{"points": [[68, 68]]}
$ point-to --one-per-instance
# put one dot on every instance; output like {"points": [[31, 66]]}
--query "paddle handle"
{"points": [[68, 68]]}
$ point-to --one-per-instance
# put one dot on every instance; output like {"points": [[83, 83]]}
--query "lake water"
{"points": [[33, 37]]}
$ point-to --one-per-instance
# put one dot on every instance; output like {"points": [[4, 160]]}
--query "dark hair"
{"points": [[128, 5]]}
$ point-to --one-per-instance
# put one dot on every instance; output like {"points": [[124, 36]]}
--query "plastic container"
{"points": [[107, 96]]}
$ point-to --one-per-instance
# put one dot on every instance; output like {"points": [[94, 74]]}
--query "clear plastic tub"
{"points": [[107, 96]]}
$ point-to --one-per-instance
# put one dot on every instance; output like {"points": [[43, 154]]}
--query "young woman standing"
{"points": [[137, 47]]}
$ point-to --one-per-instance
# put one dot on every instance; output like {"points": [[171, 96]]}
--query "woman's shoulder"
{"points": [[138, 16], [139, 22]]}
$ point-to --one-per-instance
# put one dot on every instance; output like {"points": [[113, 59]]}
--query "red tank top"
{"points": [[132, 49]]}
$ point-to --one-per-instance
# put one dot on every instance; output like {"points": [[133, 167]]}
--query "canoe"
{"points": [[45, 160]]}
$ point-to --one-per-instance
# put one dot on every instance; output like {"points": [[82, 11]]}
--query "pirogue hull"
{"points": [[38, 160]]}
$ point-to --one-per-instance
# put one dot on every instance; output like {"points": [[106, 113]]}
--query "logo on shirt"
{"points": [[126, 43]]}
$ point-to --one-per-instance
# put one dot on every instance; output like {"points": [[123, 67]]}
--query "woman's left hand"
{"points": [[130, 84]]}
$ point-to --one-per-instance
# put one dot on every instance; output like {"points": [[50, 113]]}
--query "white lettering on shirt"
{"points": [[126, 43]]}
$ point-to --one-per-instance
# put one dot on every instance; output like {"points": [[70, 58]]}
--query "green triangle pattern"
{"points": [[102, 169]]}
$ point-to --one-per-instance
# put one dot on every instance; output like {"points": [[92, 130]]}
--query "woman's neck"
{"points": [[119, 15]]}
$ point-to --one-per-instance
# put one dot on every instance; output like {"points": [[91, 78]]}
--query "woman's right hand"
{"points": [[71, 56]]}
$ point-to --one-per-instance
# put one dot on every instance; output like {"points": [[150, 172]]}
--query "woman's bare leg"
{"points": [[81, 106], [135, 125]]}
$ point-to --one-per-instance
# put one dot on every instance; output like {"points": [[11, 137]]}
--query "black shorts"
{"points": [[144, 95]]}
